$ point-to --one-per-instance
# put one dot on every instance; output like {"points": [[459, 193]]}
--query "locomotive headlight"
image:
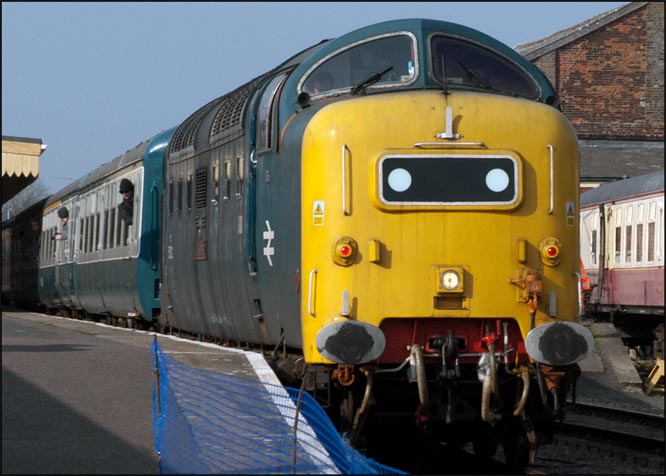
{"points": [[344, 250], [550, 251], [449, 279]]}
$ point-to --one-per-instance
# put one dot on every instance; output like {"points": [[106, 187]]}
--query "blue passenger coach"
{"points": [[97, 268], [56, 273]]}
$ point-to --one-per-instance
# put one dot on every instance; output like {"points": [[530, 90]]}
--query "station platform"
{"points": [[77, 396]]}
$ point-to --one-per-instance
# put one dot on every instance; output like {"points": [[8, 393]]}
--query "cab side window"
{"points": [[266, 114]]}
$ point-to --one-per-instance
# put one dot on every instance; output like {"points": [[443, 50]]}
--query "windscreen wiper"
{"points": [[476, 79], [372, 79]]}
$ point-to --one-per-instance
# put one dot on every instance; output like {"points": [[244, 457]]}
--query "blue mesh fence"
{"points": [[211, 422]]}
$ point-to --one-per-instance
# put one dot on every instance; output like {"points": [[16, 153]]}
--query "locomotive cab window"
{"points": [[459, 64], [266, 113], [383, 62]]}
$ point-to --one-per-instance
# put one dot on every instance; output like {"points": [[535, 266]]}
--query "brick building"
{"points": [[609, 74]]}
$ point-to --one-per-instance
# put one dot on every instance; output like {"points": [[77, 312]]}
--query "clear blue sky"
{"points": [[92, 80]]}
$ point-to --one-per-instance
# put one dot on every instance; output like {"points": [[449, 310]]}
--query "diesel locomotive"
{"points": [[391, 216]]}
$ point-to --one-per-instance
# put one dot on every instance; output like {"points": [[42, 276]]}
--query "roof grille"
{"points": [[228, 121], [183, 141]]}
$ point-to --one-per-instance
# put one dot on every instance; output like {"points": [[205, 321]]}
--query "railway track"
{"points": [[597, 439], [640, 430]]}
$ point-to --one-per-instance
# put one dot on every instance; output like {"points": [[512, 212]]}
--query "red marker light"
{"points": [[344, 250], [550, 251]]}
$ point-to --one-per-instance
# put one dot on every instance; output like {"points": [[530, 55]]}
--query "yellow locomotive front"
{"points": [[439, 251], [440, 243], [421, 231]]}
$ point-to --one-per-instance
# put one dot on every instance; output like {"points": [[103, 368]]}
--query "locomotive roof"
{"points": [[631, 187], [423, 28]]}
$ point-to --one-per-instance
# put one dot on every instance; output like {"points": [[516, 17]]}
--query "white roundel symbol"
{"points": [[399, 180], [497, 180]]}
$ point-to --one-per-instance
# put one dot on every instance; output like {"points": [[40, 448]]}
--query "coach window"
{"points": [[121, 231], [458, 64], [640, 218], [628, 243], [105, 238], [618, 234], [84, 235], [266, 114], [652, 231], [91, 234], [98, 230], [112, 227]]}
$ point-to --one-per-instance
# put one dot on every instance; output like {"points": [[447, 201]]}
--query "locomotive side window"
{"points": [[216, 181], [379, 63], [189, 191], [240, 164], [180, 194], [266, 113], [227, 179], [171, 197], [459, 64]]}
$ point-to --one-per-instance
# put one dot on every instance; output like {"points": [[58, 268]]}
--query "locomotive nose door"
{"points": [[270, 182]]}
